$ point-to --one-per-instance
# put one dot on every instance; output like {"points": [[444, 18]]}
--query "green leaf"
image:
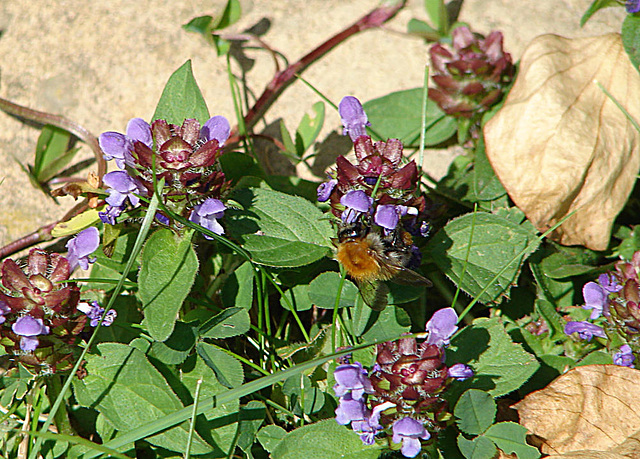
{"points": [[500, 365], [236, 165], [595, 6], [309, 128], [478, 448], [230, 15], [631, 38], [177, 347], [286, 138], [50, 149], [475, 411], [437, 11], [596, 358], [323, 291], [251, 418], [298, 297], [169, 267], [399, 116], [392, 322], [486, 185], [314, 398], [495, 247], [238, 288], [278, 229], [202, 25], [123, 386], [181, 98], [422, 29], [269, 436], [326, 440], [510, 438], [228, 369], [552, 318], [230, 322]]}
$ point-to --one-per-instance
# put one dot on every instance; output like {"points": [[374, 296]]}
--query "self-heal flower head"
{"points": [[351, 378], [632, 6], [207, 215], [118, 146], [122, 187], [460, 371], [595, 298], [325, 189], [356, 202], [624, 357], [585, 330], [94, 312], [80, 247], [409, 432], [354, 119], [442, 326], [28, 329]]}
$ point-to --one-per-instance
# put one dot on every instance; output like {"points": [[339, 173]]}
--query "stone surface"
{"points": [[102, 63]]}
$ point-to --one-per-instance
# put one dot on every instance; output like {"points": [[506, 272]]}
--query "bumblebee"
{"points": [[370, 257]]}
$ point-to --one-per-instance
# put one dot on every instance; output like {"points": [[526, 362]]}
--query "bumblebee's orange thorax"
{"points": [[358, 259]]}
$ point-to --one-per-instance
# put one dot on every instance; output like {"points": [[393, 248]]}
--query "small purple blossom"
{"points": [[4, 309], [624, 357], [442, 326], [325, 189], [460, 371], [595, 298], [354, 119], [207, 215], [351, 378], [387, 216], [118, 146], [29, 328], [350, 410], [585, 330], [122, 187], [409, 432], [216, 128], [632, 6], [370, 426], [80, 247], [110, 214], [356, 202], [609, 283], [94, 312]]}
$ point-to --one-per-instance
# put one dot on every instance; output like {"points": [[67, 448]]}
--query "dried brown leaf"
{"points": [[559, 144], [590, 411]]}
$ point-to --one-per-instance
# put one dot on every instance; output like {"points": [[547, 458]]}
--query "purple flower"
{"points": [[80, 247], [460, 371], [632, 6], [585, 330], [624, 357], [409, 431], [442, 326], [356, 203], [207, 214], [609, 283], [122, 186], [595, 298], [95, 312], [354, 119], [351, 378], [216, 128], [110, 214], [370, 426], [350, 410], [118, 146], [325, 189], [4, 309], [29, 328], [387, 216]]}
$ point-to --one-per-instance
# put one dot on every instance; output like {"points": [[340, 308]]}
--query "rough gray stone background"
{"points": [[101, 63]]}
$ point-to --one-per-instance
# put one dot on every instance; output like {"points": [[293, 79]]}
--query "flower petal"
{"points": [[138, 129], [442, 326], [354, 119], [217, 128]]}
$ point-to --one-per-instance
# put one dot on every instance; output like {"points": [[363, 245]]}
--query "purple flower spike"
{"points": [[595, 298], [354, 119], [351, 378], [632, 6], [207, 214], [325, 189], [442, 326], [122, 186], [624, 357], [387, 216], [585, 330], [409, 432], [356, 203], [94, 312], [80, 247], [350, 410], [460, 371], [29, 328], [216, 128]]}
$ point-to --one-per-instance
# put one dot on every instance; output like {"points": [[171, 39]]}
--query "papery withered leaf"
{"points": [[560, 145]]}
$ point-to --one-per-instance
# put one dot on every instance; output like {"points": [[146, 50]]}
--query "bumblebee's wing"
{"points": [[374, 294], [406, 276]]}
